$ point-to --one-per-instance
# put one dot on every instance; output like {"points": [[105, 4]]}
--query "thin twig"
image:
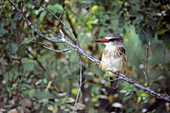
{"points": [[40, 43], [115, 79], [146, 89], [44, 69], [67, 35], [63, 11], [146, 61], [21, 5], [59, 35], [54, 33], [79, 91], [164, 54], [59, 21], [168, 6], [57, 51], [33, 27], [54, 40], [93, 59], [71, 25], [84, 81]]}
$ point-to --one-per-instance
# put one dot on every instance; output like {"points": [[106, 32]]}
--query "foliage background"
{"points": [[34, 79]]}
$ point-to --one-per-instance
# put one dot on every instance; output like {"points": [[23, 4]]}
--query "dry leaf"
{"points": [[48, 86], [53, 109], [111, 97], [26, 102], [69, 100], [80, 106], [167, 105]]}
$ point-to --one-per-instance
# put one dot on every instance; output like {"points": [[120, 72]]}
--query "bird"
{"points": [[113, 57]]}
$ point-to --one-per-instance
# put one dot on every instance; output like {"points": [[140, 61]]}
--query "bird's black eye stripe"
{"points": [[113, 39]]}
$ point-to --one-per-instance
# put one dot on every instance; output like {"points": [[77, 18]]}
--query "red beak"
{"points": [[102, 40]]}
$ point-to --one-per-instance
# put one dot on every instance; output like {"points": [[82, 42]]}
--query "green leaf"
{"points": [[67, 2], [57, 100], [128, 88], [30, 92], [58, 8], [13, 25], [42, 15], [142, 36], [69, 100], [94, 7], [28, 64], [129, 110], [12, 47], [161, 32], [41, 81], [142, 93], [2, 31], [95, 90], [39, 10], [17, 16], [74, 91], [94, 99], [166, 40], [85, 59], [146, 35], [106, 75], [107, 84], [120, 2], [55, 8], [139, 99]]}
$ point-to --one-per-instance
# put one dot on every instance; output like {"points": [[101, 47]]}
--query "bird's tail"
{"points": [[113, 82]]}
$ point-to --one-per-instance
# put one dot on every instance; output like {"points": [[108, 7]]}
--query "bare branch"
{"points": [[115, 79], [33, 27], [164, 54], [57, 51], [71, 25], [82, 52], [146, 89], [55, 34], [44, 69], [59, 21], [40, 43], [63, 11], [146, 61], [81, 77]]}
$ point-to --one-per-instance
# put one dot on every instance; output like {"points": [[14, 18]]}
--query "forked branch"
{"points": [[85, 54]]}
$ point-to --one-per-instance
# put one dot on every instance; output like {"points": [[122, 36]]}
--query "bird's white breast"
{"points": [[110, 60]]}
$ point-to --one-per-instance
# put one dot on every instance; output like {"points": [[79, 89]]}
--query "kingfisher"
{"points": [[113, 57]]}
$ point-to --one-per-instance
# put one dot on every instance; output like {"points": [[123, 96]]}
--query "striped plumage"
{"points": [[113, 57]]}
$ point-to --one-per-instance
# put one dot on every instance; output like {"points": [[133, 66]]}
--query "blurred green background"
{"points": [[35, 79]]}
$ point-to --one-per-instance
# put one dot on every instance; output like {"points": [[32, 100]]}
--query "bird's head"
{"points": [[112, 39]]}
